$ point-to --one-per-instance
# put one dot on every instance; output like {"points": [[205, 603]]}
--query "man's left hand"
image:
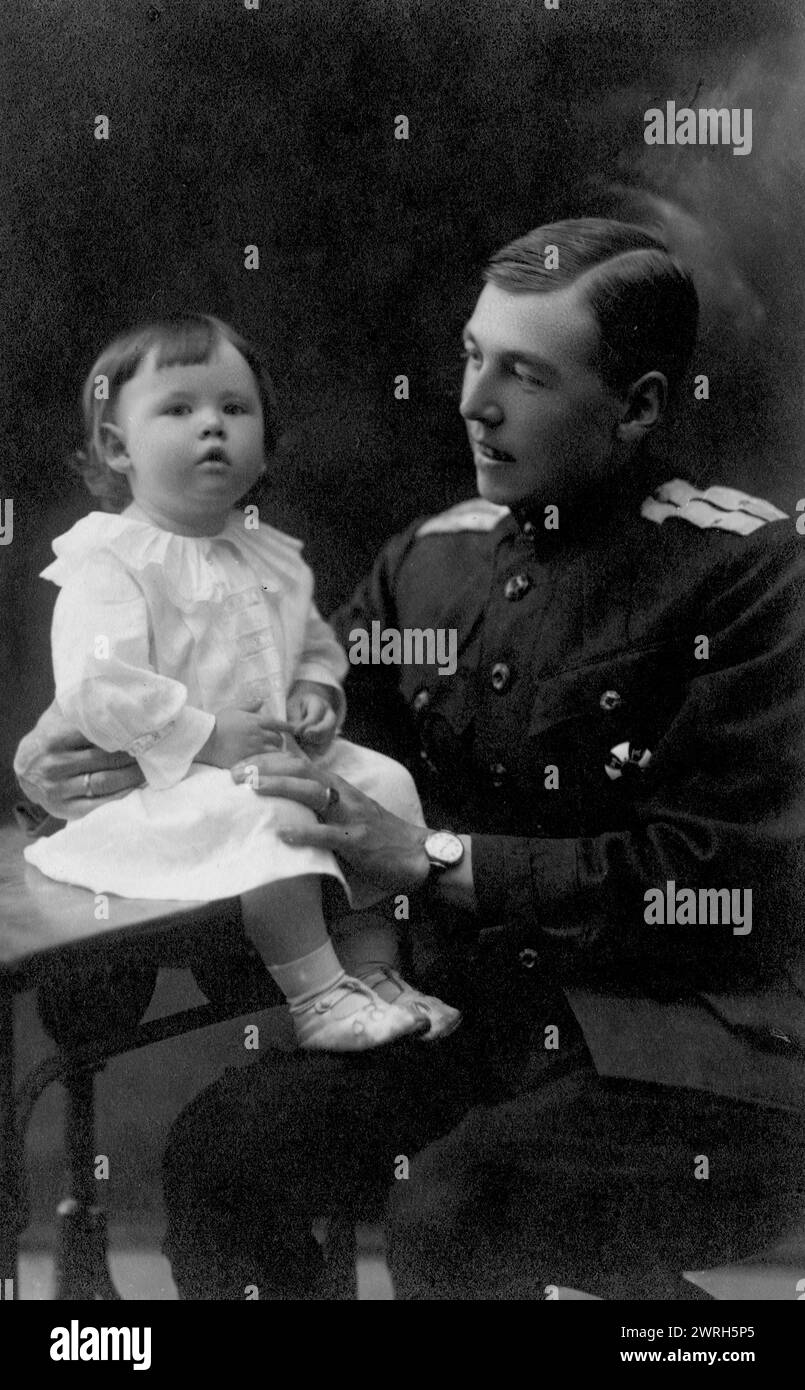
{"points": [[383, 848]]}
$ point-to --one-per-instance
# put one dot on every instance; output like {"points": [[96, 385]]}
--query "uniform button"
{"points": [[501, 677], [516, 586], [420, 701], [498, 774], [529, 530], [610, 699]]}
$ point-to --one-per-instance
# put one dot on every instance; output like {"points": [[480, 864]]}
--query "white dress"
{"points": [[153, 633]]}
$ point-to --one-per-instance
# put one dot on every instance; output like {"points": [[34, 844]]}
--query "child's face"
{"points": [[189, 439]]}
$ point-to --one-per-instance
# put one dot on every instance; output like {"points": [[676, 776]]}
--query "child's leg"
{"points": [[369, 946], [285, 919], [365, 940], [332, 1011]]}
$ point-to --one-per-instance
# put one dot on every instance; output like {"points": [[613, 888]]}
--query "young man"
{"points": [[620, 751]]}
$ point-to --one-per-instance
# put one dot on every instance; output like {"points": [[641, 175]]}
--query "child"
{"points": [[186, 634]]}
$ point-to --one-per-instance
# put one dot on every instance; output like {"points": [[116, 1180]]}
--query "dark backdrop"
{"points": [[276, 127]]}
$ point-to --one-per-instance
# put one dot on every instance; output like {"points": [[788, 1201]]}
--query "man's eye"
{"points": [[527, 378]]}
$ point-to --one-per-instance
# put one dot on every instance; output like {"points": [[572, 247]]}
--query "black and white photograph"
{"points": [[402, 647]]}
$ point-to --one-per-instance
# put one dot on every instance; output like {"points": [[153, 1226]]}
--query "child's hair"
{"points": [[179, 342], [644, 301]]}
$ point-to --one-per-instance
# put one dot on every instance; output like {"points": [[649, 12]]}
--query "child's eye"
{"points": [[470, 354], [236, 408], [177, 409]]}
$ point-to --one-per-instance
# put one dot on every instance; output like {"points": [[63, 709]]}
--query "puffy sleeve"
{"points": [[315, 653], [323, 659], [105, 682]]}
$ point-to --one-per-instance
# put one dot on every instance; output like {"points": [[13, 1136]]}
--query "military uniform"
{"points": [[596, 747], [627, 713]]}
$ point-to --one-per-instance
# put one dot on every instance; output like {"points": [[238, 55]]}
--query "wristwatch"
{"points": [[444, 851]]}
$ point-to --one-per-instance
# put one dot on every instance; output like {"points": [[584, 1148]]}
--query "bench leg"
{"points": [[82, 1271], [9, 1152]]}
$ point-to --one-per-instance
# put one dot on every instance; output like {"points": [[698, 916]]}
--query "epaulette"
{"points": [[476, 514], [718, 509]]}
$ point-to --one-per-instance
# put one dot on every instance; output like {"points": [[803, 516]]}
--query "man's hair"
{"points": [[178, 342], [644, 301]]}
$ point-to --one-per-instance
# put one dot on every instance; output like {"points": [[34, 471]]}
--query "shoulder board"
{"points": [[476, 514], [716, 509]]}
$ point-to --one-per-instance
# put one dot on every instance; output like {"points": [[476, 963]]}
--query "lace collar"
{"points": [[190, 573]]}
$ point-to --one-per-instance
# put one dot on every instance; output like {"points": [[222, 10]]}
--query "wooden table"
{"points": [[94, 979]]}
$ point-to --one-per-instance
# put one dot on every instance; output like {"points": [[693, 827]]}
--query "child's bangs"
{"points": [[185, 343]]}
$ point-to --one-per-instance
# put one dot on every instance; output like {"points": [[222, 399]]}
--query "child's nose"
{"points": [[212, 423]]}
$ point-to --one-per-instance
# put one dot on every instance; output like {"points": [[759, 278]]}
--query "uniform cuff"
{"points": [[166, 756], [516, 880]]}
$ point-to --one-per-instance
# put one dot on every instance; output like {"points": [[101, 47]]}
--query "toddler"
{"points": [[185, 633]]}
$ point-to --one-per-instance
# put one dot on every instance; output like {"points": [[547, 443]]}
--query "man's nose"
{"points": [[478, 400]]}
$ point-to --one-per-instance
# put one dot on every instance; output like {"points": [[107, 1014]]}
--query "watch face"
{"points": [[445, 848]]}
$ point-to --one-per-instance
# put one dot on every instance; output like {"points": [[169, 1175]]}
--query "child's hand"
{"points": [[241, 733], [312, 715]]}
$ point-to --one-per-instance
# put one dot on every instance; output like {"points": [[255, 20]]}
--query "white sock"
{"points": [[301, 980]]}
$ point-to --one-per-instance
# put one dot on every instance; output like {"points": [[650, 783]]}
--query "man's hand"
{"points": [[241, 733], [56, 768], [380, 846], [312, 714]]}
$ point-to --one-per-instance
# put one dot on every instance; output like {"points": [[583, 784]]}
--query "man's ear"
{"points": [[645, 405], [114, 448]]}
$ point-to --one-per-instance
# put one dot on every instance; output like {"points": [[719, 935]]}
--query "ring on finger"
{"points": [[333, 799], [88, 784]]}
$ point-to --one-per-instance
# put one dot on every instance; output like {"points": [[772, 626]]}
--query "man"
{"points": [[621, 752]]}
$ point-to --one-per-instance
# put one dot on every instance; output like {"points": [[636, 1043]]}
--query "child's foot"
{"points": [[440, 1017], [350, 1017]]}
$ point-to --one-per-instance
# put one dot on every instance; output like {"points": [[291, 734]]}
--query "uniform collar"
{"points": [[584, 523]]}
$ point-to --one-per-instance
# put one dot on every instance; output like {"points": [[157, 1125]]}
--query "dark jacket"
{"points": [[678, 636]]}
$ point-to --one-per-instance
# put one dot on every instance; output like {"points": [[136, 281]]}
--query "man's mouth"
{"points": [[487, 454]]}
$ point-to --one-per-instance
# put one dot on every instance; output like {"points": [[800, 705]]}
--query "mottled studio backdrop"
{"points": [[276, 127]]}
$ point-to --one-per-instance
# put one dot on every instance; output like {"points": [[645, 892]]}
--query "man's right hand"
{"points": [[56, 768]]}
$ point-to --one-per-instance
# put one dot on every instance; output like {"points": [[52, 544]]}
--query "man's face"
{"points": [[192, 438], [541, 422]]}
